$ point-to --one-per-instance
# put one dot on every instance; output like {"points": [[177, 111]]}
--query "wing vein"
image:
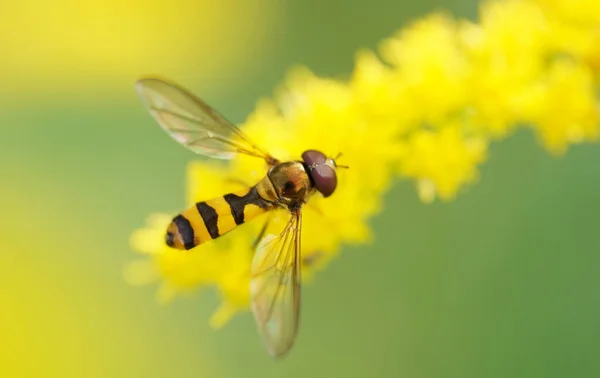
{"points": [[194, 124], [275, 291]]}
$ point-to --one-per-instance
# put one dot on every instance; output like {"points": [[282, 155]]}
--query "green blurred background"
{"points": [[501, 283]]}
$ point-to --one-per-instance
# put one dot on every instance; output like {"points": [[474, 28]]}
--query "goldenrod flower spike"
{"points": [[425, 109]]}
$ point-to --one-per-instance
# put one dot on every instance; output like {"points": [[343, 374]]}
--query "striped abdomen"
{"points": [[210, 219]]}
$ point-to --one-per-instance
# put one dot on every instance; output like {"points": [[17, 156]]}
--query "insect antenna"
{"points": [[337, 165]]}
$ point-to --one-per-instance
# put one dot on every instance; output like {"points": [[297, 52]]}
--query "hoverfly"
{"points": [[276, 266]]}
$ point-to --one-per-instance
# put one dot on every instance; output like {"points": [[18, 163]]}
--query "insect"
{"points": [[275, 282]]}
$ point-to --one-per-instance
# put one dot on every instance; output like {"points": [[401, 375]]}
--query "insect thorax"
{"points": [[286, 184]]}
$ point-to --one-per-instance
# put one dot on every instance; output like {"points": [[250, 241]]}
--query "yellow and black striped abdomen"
{"points": [[210, 219]]}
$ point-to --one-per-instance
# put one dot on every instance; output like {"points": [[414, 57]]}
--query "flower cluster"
{"points": [[425, 107]]}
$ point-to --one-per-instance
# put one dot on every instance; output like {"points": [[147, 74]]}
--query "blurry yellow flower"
{"points": [[442, 161], [426, 109], [574, 28], [568, 110], [428, 64], [506, 51]]}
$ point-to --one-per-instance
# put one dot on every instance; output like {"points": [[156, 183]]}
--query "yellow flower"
{"points": [[425, 109], [442, 161], [506, 51], [574, 28], [429, 66], [568, 109]]}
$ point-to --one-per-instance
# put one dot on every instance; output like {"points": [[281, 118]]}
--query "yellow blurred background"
{"points": [[501, 283], [73, 47]]}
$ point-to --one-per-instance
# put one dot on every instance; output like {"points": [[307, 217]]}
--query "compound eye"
{"points": [[325, 179], [313, 157]]}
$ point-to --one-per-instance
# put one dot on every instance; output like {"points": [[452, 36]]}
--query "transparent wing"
{"points": [[193, 123], [275, 287]]}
